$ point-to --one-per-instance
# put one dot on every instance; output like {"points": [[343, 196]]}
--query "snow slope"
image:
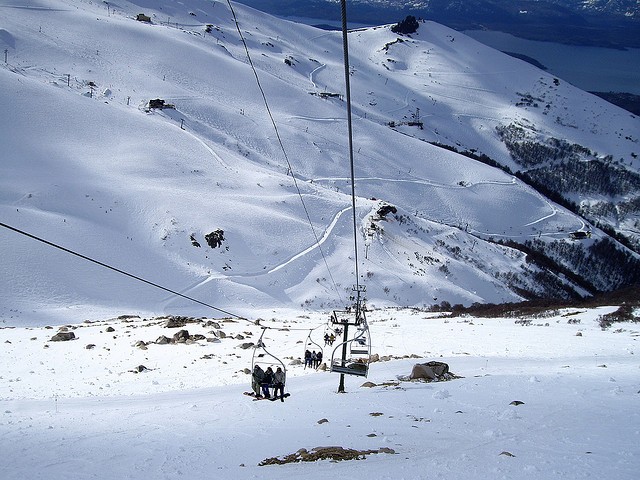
{"points": [[85, 164], [68, 411]]}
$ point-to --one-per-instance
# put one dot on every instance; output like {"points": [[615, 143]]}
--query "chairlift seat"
{"points": [[357, 351], [358, 369]]}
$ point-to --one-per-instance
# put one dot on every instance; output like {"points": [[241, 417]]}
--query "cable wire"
{"points": [[345, 48], [102, 264], [284, 152], [148, 282]]}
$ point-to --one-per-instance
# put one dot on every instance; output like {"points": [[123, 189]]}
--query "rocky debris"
{"points": [[63, 337], [335, 454], [246, 346], [181, 336], [178, 322], [139, 369], [322, 420], [142, 345], [110, 329], [516, 403], [90, 346]]}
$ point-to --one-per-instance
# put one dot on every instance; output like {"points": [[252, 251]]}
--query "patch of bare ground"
{"points": [[335, 454]]}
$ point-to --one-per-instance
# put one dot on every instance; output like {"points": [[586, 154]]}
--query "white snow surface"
{"points": [[86, 165], [71, 412]]}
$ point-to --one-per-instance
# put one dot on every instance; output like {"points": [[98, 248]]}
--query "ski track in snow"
{"points": [[297, 256]]}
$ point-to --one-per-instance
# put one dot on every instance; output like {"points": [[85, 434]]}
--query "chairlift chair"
{"points": [[265, 359], [310, 344], [360, 343], [353, 365]]}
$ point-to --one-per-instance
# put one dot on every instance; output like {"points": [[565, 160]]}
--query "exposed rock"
{"points": [[215, 239], [368, 384], [296, 361], [181, 337], [386, 209], [246, 345], [63, 336], [430, 371], [322, 420], [374, 358], [176, 322], [90, 346], [110, 329], [162, 340], [335, 454], [516, 403]]}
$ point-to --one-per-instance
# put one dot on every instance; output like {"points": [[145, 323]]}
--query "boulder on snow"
{"points": [[63, 337], [181, 337], [429, 371]]}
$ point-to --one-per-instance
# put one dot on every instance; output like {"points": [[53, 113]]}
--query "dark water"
{"points": [[589, 68]]}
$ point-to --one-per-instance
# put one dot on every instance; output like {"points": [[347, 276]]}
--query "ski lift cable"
{"points": [[143, 280], [284, 152], [345, 48], [123, 272]]}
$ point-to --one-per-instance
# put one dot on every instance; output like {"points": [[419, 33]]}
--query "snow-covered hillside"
{"points": [[555, 399], [86, 163]]}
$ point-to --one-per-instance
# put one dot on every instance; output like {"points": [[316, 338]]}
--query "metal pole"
{"points": [[344, 357]]}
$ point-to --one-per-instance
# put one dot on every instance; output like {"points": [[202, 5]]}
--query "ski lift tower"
{"points": [[352, 316]]}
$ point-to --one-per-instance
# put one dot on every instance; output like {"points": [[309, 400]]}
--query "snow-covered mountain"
{"points": [[87, 164]]}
